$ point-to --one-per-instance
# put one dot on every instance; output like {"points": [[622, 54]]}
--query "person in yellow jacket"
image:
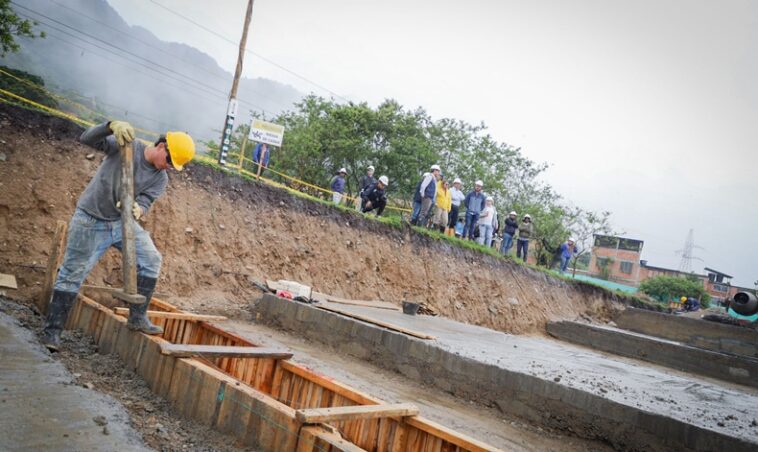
{"points": [[442, 204]]}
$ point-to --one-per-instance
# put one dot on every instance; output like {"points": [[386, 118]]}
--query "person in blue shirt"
{"points": [[261, 154], [567, 251], [417, 200], [338, 186], [474, 204], [428, 192]]}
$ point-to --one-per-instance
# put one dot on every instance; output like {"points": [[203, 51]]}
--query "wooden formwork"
{"points": [[255, 399]]}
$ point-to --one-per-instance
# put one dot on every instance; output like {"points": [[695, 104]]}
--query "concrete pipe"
{"points": [[744, 303]]}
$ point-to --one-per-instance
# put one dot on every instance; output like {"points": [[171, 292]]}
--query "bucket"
{"points": [[410, 308]]}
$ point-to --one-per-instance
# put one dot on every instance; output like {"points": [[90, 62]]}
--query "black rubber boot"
{"points": [[138, 320], [57, 313]]}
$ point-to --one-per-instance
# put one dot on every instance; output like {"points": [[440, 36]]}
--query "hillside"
{"points": [[130, 73], [219, 233]]}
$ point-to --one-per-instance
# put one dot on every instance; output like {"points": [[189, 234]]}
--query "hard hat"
{"points": [[457, 181], [528, 216], [683, 299], [479, 183], [435, 168], [371, 167], [342, 170], [180, 147], [512, 213], [571, 239], [489, 198], [384, 180]]}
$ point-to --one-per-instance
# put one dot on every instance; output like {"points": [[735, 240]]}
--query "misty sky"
{"points": [[645, 108]]}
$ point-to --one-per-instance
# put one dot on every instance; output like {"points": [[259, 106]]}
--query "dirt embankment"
{"points": [[217, 233]]}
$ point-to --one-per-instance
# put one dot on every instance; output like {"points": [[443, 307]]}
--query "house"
{"points": [[616, 259]]}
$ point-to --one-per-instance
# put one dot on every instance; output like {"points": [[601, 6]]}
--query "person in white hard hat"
{"points": [[474, 204], [374, 197], [364, 183], [456, 198], [525, 230], [567, 251], [428, 191], [442, 205], [511, 224], [486, 221], [338, 186]]}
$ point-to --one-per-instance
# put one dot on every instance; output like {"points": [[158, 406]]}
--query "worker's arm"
{"points": [[466, 200], [101, 138], [146, 198], [424, 184]]}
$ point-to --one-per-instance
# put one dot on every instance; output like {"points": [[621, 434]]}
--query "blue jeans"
{"points": [[468, 229], [485, 234], [416, 211], [507, 243], [522, 248], [89, 238], [564, 262]]}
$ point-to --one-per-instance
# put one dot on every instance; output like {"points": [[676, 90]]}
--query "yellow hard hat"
{"points": [[683, 299], [180, 147]]}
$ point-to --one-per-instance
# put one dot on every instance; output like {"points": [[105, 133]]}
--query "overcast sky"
{"points": [[645, 108]]}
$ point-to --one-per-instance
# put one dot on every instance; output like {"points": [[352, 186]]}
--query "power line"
{"points": [[289, 71]]}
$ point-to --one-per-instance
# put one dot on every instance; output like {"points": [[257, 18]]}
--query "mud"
{"points": [[218, 233]]}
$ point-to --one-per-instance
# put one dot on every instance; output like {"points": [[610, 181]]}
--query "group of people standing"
{"points": [[372, 194]]}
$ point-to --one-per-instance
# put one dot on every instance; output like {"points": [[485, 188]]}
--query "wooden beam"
{"points": [[321, 297], [316, 438], [451, 436], [57, 249], [389, 326], [176, 315], [222, 351], [355, 412]]}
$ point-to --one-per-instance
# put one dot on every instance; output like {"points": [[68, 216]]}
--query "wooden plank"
{"points": [[330, 384], [293, 287], [317, 438], [366, 303], [176, 315], [57, 250], [352, 413], [449, 435], [223, 351], [383, 324]]}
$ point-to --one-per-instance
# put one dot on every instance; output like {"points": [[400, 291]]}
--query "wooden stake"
{"points": [[128, 247], [57, 250]]}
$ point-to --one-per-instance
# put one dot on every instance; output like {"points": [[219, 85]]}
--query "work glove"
{"points": [[136, 209], [123, 131]]}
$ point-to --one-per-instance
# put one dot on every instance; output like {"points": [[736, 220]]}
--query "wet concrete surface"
{"points": [[41, 408], [661, 398], [479, 422]]}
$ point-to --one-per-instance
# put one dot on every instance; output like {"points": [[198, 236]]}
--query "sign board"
{"points": [[266, 132]]}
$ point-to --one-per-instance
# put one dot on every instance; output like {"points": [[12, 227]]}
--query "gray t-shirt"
{"points": [[103, 191]]}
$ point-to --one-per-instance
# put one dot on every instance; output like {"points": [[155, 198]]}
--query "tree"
{"points": [[667, 288], [12, 26], [30, 88], [584, 224]]}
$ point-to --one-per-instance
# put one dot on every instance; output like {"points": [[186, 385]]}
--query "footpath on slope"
{"points": [[41, 407], [623, 401]]}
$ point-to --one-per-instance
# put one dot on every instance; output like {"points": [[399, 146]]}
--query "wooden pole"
{"points": [[128, 247], [53, 262], [241, 54]]}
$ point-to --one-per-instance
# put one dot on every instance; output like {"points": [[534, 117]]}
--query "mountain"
{"points": [[92, 54]]}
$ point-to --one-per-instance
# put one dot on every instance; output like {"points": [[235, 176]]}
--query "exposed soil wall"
{"points": [[218, 233]]}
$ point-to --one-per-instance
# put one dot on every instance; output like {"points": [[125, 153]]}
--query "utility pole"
{"points": [[231, 111]]}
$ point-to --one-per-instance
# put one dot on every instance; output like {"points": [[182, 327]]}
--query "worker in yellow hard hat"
{"points": [[96, 223]]}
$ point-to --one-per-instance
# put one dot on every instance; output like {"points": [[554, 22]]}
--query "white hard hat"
{"points": [[489, 198], [371, 167], [342, 170], [479, 183], [384, 180], [571, 239], [513, 212], [457, 181], [528, 216], [435, 168]]}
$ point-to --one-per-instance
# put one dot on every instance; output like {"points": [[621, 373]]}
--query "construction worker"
{"points": [[442, 204], [373, 197], [261, 156], [525, 230], [511, 224], [456, 198], [365, 182], [567, 251], [428, 191], [338, 186], [474, 203], [96, 223]]}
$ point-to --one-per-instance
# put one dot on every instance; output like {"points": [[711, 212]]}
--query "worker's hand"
{"points": [[368, 204], [123, 131], [136, 209]]}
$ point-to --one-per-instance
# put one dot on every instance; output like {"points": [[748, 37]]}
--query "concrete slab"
{"points": [[735, 368], [41, 408], [695, 332], [628, 403]]}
